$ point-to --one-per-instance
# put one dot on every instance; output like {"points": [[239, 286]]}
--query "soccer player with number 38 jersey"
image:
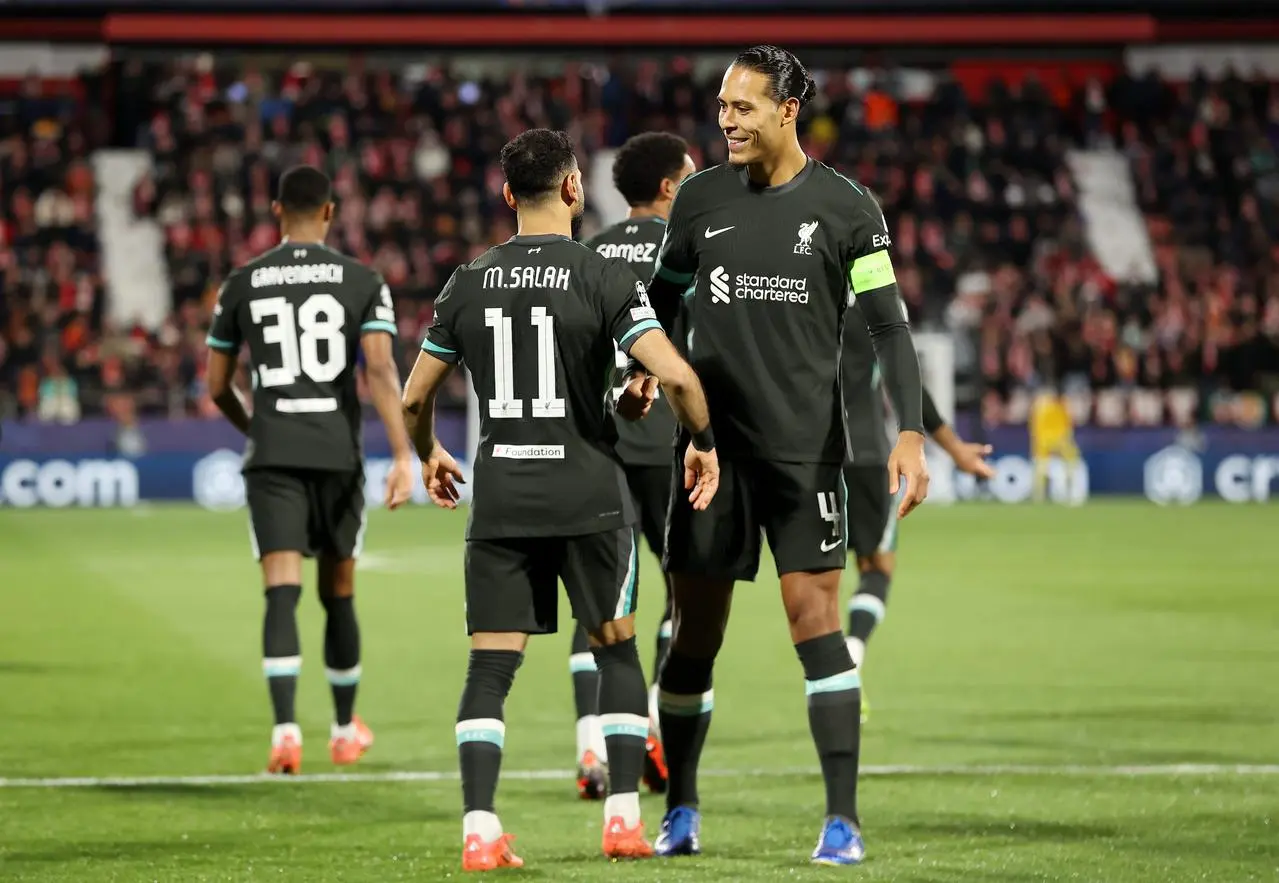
{"points": [[303, 310], [776, 245], [536, 320]]}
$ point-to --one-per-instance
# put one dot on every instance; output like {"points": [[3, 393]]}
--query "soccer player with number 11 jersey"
{"points": [[537, 320]]}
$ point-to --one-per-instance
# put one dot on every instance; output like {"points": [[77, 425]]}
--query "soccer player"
{"points": [[776, 244], [536, 320], [1052, 434], [646, 171], [303, 309], [872, 521]]}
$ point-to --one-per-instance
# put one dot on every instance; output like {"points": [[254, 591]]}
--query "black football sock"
{"points": [[623, 716], [866, 610], [834, 716], [481, 730], [684, 707], [282, 650], [342, 655], [586, 689]]}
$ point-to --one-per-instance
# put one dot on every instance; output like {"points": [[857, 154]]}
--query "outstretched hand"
{"points": [[906, 463], [701, 476], [442, 475]]}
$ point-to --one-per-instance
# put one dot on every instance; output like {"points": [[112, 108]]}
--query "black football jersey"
{"points": [[774, 270], [301, 309], [537, 320], [646, 442]]}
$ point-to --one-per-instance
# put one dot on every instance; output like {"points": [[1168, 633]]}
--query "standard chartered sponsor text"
{"points": [[781, 289]]}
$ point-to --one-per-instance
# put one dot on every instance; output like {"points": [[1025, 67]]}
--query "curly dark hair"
{"points": [[304, 190], [787, 78], [535, 163], [644, 161]]}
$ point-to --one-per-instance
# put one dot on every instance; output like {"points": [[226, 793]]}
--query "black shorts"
{"points": [[512, 585], [651, 488], [872, 516], [798, 506], [305, 510]]}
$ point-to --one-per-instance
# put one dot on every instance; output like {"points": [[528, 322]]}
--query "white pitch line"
{"points": [[913, 770]]}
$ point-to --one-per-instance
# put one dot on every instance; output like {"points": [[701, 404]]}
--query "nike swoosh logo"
{"points": [[827, 547], [711, 234]]}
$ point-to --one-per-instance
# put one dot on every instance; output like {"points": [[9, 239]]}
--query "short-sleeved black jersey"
{"points": [[774, 268], [536, 320], [865, 405], [301, 308], [644, 442]]}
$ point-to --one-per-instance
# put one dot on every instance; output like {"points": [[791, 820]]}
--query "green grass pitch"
{"points": [[1030, 658]]}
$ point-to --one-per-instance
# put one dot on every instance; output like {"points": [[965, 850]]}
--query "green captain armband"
{"points": [[871, 271]]}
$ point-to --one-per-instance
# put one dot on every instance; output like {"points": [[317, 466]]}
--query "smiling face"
{"points": [[754, 124]]}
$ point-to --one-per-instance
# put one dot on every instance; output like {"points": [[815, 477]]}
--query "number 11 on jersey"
{"points": [[504, 404]]}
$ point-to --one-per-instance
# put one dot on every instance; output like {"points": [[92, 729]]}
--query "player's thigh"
{"points": [[338, 520], [802, 507], [279, 511], [600, 573], [723, 541], [651, 488], [869, 507], [512, 585]]}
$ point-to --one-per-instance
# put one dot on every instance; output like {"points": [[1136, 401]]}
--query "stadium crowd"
{"points": [[988, 242]]}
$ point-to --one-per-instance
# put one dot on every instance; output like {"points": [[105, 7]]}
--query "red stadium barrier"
{"points": [[626, 30]]}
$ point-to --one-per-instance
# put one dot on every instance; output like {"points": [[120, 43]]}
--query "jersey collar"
{"points": [[539, 239], [780, 189]]}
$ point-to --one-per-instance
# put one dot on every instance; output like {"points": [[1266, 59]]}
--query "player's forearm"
{"points": [[419, 418], [384, 386], [895, 351], [230, 402], [688, 400], [933, 420], [948, 441]]}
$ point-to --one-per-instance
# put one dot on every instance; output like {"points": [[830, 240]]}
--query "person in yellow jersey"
{"points": [[1052, 433]]}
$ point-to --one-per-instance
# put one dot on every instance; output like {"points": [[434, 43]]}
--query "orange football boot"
{"points": [[592, 777], [623, 842], [481, 855], [655, 774], [286, 757], [347, 751]]}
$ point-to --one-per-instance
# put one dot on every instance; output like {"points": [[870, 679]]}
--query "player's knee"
{"points": [[614, 631], [282, 568], [882, 562], [337, 579], [499, 641], [811, 601]]}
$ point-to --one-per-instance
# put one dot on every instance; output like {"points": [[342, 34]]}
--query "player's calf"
{"points": [[834, 705], [281, 664], [592, 755], [481, 736], [868, 606], [623, 703]]}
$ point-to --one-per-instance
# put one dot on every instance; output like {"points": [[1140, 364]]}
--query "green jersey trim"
{"points": [[219, 343], [646, 325], [436, 348], [378, 325]]}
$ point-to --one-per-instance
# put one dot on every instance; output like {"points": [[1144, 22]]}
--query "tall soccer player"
{"points": [[536, 320], [304, 310], [776, 244], [647, 170], [872, 515]]}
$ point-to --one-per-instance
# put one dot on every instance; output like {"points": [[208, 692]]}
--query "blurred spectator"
{"points": [[988, 243]]}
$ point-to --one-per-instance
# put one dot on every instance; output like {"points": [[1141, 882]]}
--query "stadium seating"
{"points": [[989, 240]]}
